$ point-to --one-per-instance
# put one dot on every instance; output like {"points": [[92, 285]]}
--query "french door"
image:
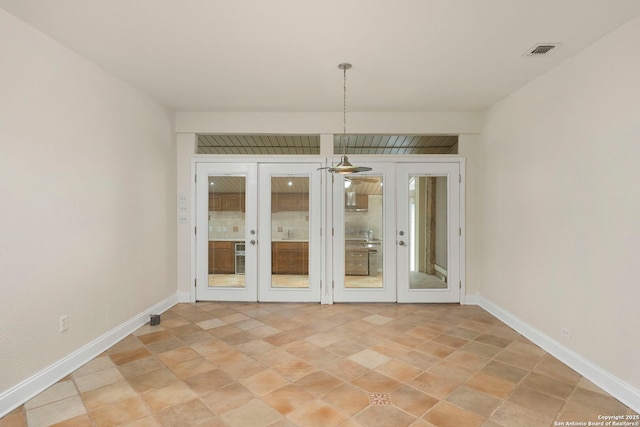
{"points": [[397, 234], [258, 224], [393, 233], [428, 232]]}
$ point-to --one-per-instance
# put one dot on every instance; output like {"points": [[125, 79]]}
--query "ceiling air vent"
{"points": [[540, 49]]}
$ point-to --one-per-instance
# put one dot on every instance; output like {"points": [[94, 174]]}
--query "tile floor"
{"points": [[254, 365]]}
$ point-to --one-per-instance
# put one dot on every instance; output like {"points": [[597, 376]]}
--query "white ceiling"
{"points": [[282, 55]]}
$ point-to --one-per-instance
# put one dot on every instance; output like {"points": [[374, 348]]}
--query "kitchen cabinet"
{"points": [[353, 201], [282, 202], [356, 262], [226, 202], [221, 257], [290, 257]]}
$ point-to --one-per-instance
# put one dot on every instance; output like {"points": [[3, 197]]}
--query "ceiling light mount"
{"points": [[344, 167]]}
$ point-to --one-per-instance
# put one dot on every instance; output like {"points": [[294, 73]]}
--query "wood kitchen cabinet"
{"points": [[281, 202], [221, 257], [356, 263], [290, 257], [226, 202]]}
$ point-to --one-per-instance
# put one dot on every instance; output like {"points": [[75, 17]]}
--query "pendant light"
{"points": [[344, 167]]}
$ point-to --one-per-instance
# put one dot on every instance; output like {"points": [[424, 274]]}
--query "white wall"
{"points": [[87, 189], [560, 207]]}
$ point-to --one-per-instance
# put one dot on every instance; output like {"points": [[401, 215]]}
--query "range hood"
{"points": [[351, 203]]}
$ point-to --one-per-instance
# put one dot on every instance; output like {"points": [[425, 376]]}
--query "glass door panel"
{"points": [[226, 215], [290, 244], [290, 231], [364, 215], [428, 233], [363, 225]]}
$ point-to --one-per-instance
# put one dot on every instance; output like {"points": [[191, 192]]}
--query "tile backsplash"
{"points": [[293, 225], [285, 225]]}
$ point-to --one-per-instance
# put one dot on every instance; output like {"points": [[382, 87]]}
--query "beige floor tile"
{"points": [[55, 412], [129, 355], [597, 401], [447, 415], [254, 413], [536, 401], [140, 367], [187, 414], [506, 372], [263, 382], [412, 400], [59, 391], [453, 371], [152, 380], [318, 383], [97, 398], [227, 398], [294, 370], [316, 414], [369, 358], [286, 399], [345, 369], [384, 416], [121, 412], [494, 340], [553, 368], [79, 421], [436, 350], [170, 395], [347, 399], [242, 368], [474, 401], [434, 385], [14, 419], [101, 363], [375, 382], [192, 367], [468, 360], [548, 385], [209, 381], [98, 379], [399, 370], [304, 364], [491, 385], [173, 357], [512, 415]]}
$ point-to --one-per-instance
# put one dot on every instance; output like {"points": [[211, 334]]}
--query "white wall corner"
{"points": [[616, 387], [36, 384]]}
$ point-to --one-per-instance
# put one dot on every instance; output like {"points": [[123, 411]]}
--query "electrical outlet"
{"points": [[64, 322], [566, 333]]}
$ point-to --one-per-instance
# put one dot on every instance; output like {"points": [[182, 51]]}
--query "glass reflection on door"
{"points": [[290, 231], [227, 231], [363, 225], [428, 232]]}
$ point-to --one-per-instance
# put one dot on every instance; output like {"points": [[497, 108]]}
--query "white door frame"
{"points": [[327, 273]]}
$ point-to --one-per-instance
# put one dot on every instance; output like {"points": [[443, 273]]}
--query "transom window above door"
{"points": [[310, 144]]}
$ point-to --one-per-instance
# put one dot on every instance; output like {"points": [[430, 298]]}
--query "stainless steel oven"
{"points": [[240, 259]]}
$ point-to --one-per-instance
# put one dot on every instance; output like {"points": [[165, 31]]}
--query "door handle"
{"points": [[253, 242], [401, 242]]}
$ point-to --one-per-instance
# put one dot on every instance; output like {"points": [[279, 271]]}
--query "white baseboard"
{"points": [[27, 389], [613, 385], [185, 297]]}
